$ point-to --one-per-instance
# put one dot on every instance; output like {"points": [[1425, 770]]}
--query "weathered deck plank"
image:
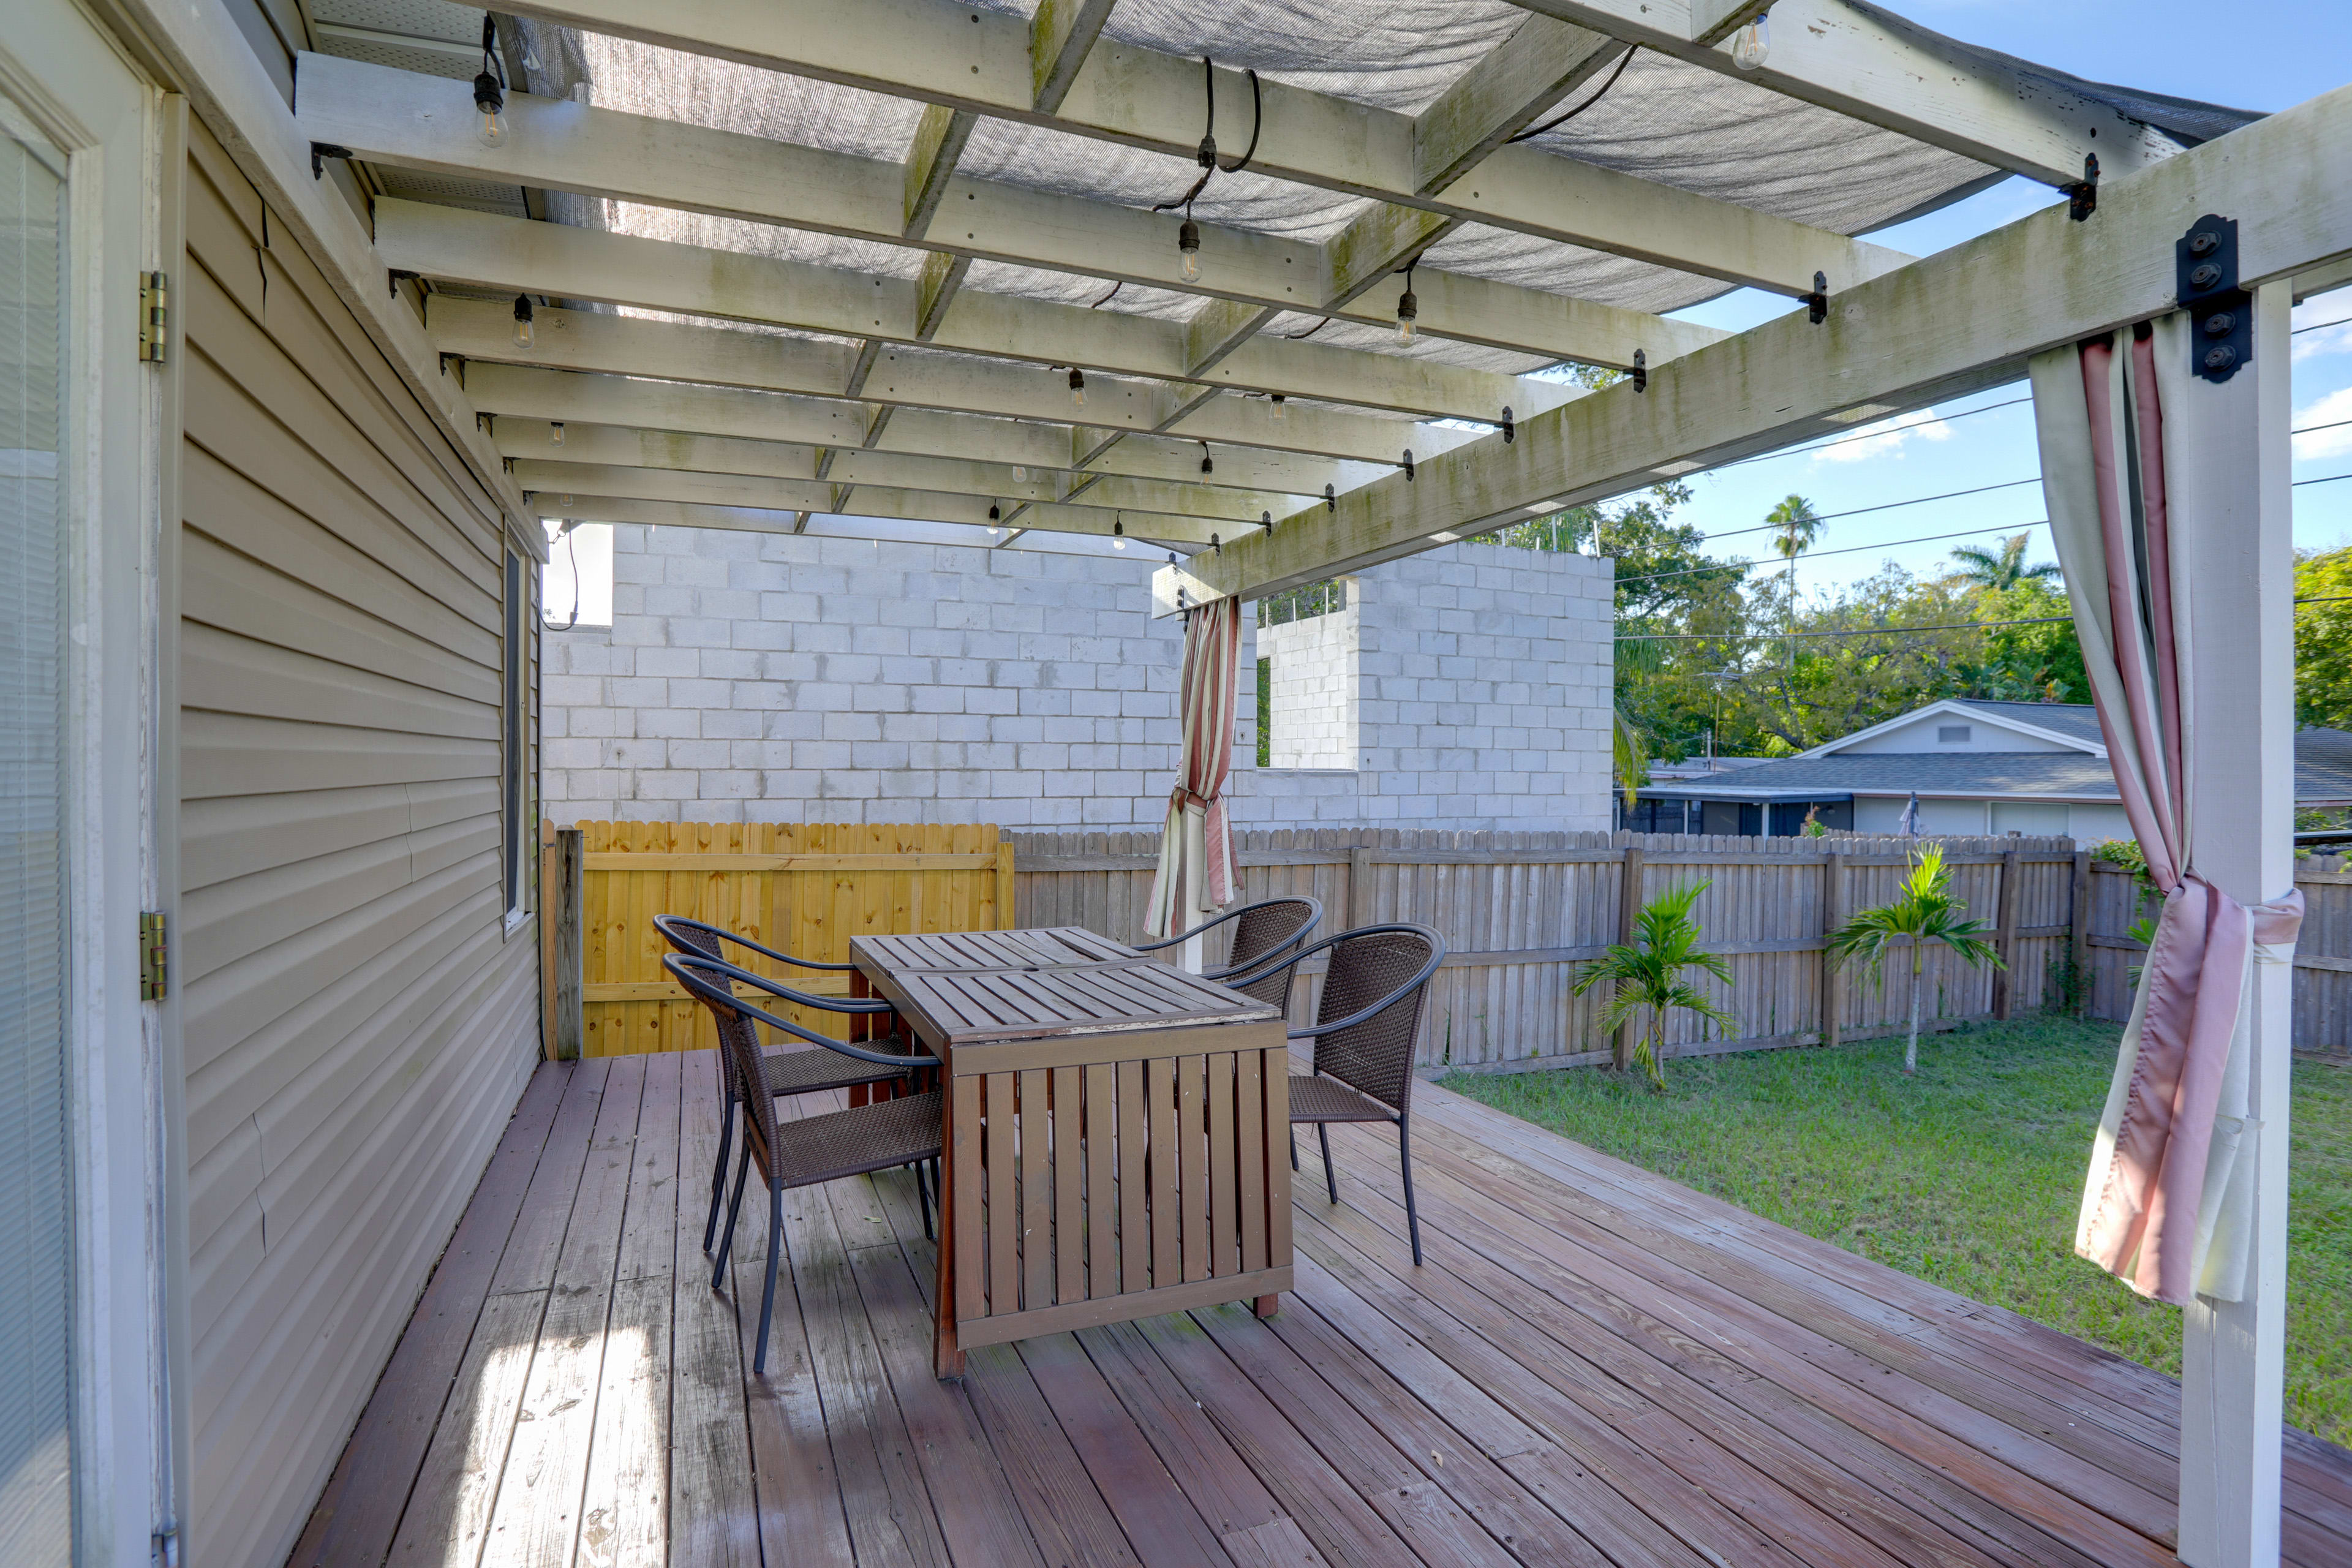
{"points": [[1595, 1368]]}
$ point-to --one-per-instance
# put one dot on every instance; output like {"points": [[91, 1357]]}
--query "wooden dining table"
{"points": [[1116, 1138]]}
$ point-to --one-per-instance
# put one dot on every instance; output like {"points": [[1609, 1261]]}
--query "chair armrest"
{"points": [[697, 975]]}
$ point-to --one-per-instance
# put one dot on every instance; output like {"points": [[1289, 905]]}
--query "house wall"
{"points": [[798, 677], [1313, 687], [2086, 824], [1920, 736], [358, 1021]]}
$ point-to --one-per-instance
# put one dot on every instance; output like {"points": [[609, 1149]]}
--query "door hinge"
{"points": [[154, 316], [154, 966], [167, 1546]]}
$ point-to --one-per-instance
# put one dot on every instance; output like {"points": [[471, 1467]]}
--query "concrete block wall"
{"points": [[1313, 687], [752, 677]]}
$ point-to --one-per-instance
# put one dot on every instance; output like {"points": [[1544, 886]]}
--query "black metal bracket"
{"points": [[2083, 196], [1510, 426], [1817, 303], [1408, 464], [2221, 315], [319, 152], [393, 275], [1331, 498], [1640, 371]]}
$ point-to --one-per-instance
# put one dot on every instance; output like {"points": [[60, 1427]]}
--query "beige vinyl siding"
{"points": [[357, 1022]]}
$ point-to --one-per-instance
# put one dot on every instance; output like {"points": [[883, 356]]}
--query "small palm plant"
{"points": [[1925, 912], [1648, 973]]}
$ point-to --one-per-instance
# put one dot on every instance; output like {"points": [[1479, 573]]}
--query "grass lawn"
{"points": [[1967, 1175]]}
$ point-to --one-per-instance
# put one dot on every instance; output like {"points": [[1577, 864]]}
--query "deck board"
{"points": [[1595, 1367]]}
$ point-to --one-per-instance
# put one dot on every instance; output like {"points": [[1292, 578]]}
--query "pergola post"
{"points": [[2234, 522]]}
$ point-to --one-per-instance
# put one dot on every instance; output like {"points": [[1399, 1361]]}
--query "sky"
{"points": [[1976, 441]]}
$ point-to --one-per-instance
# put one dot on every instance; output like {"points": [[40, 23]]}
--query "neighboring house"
{"points": [[1976, 767]]}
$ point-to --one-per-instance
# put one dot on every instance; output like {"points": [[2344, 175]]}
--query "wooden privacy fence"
{"points": [[2323, 953], [803, 889], [1520, 911]]}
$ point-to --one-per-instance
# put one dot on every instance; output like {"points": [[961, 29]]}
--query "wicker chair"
{"points": [[1364, 1031], [814, 1149], [791, 1070], [1270, 931]]}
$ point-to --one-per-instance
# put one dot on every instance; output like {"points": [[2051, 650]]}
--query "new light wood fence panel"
{"points": [[804, 889]]}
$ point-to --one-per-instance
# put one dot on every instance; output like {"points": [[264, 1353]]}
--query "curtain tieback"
{"points": [[1180, 798]]}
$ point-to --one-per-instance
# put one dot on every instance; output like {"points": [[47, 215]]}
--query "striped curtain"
{"points": [[1196, 847], [2168, 1205]]}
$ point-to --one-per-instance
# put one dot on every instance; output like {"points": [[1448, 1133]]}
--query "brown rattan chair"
{"points": [[791, 1070], [1366, 1022], [1268, 932], [814, 1149]]}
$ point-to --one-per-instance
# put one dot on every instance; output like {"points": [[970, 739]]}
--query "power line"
{"points": [[1850, 550], [1883, 506], [1845, 436], [1887, 631], [2330, 480]]}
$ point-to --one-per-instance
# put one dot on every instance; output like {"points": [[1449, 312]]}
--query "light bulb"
{"points": [[1118, 534], [522, 330], [1408, 311], [1118, 545], [1188, 242], [1020, 475], [555, 433], [1281, 409], [1405, 334], [490, 125], [1752, 43], [1077, 387]]}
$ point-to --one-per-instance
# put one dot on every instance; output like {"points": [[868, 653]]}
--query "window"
{"points": [[1304, 602], [1266, 712], [515, 735], [576, 590], [1951, 734]]}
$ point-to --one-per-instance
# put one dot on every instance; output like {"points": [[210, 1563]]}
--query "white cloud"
{"points": [[1884, 440], [2336, 409], [2335, 338]]}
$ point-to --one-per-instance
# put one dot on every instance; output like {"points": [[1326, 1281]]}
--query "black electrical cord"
{"points": [[571, 551], [491, 64], [1209, 164], [1107, 298], [1310, 332], [1622, 61]]}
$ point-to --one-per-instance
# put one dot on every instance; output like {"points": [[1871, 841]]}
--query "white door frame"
{"points": [[83, 94]]}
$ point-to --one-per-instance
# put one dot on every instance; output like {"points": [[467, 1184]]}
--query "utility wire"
{"points": [[1885, 631], [1850, 550], [1884, 506]]}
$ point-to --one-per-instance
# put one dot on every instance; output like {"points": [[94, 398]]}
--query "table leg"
{"points": [[947, 1355]]}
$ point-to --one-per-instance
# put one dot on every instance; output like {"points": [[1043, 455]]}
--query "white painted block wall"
{"points": [[778, 677]]}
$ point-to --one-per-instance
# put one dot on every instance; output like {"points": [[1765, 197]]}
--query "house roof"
{"points": [[2068, 723], [2076, 721], [2323, 775]]}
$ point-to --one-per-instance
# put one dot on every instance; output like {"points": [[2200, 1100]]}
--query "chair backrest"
{"points": [[740, 1060], [1375, 1057], [1264, 928], [701, 940]]}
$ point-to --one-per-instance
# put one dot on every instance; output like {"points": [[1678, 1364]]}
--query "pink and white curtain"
{"points": [[2167, 1205], [1196, 847]]}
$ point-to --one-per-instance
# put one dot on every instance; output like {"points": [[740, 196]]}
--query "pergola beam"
{"points": [[1879, 68], [875, 501], [530, 441], [948, 55], [514, 255], [1961, 320], [1517, 81], [521, 392], [385, 116]]}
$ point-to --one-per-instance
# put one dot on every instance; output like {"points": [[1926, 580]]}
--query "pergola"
{"points": [[927, 227]]}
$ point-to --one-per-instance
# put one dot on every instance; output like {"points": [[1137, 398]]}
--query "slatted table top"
{"points": [[1046, 947], [1035, 1000]]}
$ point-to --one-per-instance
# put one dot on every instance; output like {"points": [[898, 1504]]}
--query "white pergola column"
{"points": [[2233, 516]]}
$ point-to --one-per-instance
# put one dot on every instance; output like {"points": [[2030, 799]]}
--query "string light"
{"points": [[1207, 465], [1188, 247], [1118, 534], [522, 334], [1077, 387], [1753, 42], [1407, 308], [1020, 475], [555, 433], [489, 97], [1281, 409]]}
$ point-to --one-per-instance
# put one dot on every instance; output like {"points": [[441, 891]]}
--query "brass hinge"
{"points": [[154, 958], [154, 316]]}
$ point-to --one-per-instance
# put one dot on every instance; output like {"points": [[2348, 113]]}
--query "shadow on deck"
{"points": [[1596, 1366]]}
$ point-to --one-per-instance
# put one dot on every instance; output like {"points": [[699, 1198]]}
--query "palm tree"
{"points": [[1629, 755], [1648, 973], [1925, 912], [2001, 569], [1794, 524]]}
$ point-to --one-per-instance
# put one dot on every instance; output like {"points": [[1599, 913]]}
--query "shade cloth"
{"points": [[1196, 847], [2168, 1205]]}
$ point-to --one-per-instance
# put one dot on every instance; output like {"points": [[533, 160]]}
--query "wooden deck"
{"points": [[1596, 1366]]}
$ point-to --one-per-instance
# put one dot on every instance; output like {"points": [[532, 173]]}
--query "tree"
{"points": [[1648, 975], [1924, 912], [2000, 570], [1794, 524], [2323, 638]]}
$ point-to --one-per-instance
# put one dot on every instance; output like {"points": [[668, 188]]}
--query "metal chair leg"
{"points": [[1404, 1160], [727, 1237], [1293, 1146], [923, 1194], [718, 1171], [768, 1296], [1330, 1175]]}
